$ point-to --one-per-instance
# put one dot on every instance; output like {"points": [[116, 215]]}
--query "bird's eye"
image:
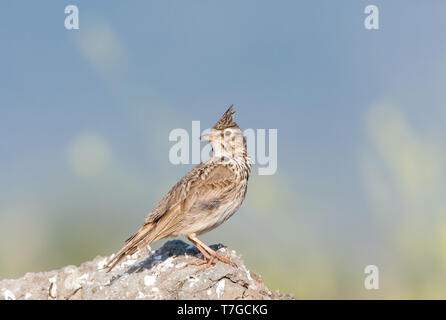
{"points": [[227, 132]]}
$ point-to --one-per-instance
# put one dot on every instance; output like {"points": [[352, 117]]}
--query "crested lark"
{"points": [[203, 199]]}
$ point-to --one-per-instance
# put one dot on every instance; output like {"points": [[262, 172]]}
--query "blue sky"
{"points": [[351, 106]]}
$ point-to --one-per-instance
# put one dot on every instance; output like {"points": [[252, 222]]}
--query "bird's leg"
{"points": [[203, 252], [198, 243]]}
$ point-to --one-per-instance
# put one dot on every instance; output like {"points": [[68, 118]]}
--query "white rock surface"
{"points": [[169, 273]]}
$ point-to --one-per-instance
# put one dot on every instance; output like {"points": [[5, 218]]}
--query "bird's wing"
{"points": [[206, 183], [207, 193], [201, 189]]}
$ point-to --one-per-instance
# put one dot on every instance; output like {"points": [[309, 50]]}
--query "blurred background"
{"points": [[85, 117]]}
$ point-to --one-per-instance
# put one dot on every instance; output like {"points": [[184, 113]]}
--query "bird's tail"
{"points": [[138, 241]]}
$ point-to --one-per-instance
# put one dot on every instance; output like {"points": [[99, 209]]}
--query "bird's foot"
{"points": [[200, 262], [225, 260], [211, 261]]}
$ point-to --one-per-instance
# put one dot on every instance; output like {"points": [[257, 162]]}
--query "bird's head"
{"points": [[225, 137]]}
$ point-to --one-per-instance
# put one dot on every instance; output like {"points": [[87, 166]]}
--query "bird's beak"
{"points": [[206, 137], [209, 136]]}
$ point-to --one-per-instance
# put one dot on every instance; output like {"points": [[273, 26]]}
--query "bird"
{"points": [[203, 199]]}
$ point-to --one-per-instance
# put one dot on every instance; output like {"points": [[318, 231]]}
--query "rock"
{"points": [[168, 273]]}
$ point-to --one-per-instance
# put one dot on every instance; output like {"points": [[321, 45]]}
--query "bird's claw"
{"points": [[212, 260]]}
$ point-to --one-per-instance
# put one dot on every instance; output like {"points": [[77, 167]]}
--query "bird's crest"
{"points": [[226, 121]]}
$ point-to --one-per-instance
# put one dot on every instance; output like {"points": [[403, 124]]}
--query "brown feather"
{"points": [[226, 121]]}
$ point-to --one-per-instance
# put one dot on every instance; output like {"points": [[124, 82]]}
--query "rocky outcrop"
{"points": [[168, 273]]}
